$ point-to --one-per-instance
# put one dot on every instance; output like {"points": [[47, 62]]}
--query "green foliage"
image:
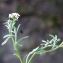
{"points": [[52, 44], [42, 49], [5, 41]]}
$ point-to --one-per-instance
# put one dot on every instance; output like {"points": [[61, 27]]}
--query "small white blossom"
{"points": [[10, 16], [14, 15]]}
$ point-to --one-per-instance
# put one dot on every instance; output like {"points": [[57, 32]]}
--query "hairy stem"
{"points": [[17, 51], [31, 57]]}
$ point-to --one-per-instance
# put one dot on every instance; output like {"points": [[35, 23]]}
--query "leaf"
{"points": [[5, 41], [6, 36], [15, 31], [10, 25], [51, 41], [51, 35], [43, 41], [18, 27], [54, 44], [23, 38], [55, 37], [58, 39], [48, 41]]}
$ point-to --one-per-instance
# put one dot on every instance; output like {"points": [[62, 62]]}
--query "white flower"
{"points": [[10, 16], [14, 15]]}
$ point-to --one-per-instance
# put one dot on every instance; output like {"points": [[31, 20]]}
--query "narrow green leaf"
{"points": [[18, 27], [58, 40], [54, 43], [51, 41], [44, 41], [56, 37], [10, 25], [6, 36], [51, 35], [15, 31], [5, 41], [23, 38]]}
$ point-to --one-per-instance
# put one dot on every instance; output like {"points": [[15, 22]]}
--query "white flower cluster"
{"points": [[10, 23], [14, 15]]}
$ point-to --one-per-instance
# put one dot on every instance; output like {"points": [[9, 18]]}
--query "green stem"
{"points": [[17, 52], [12, 40], [20, 60], [31, 57], [18, 55]]}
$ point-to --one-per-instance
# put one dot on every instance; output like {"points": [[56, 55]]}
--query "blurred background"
{"points": [[39, 18]]}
